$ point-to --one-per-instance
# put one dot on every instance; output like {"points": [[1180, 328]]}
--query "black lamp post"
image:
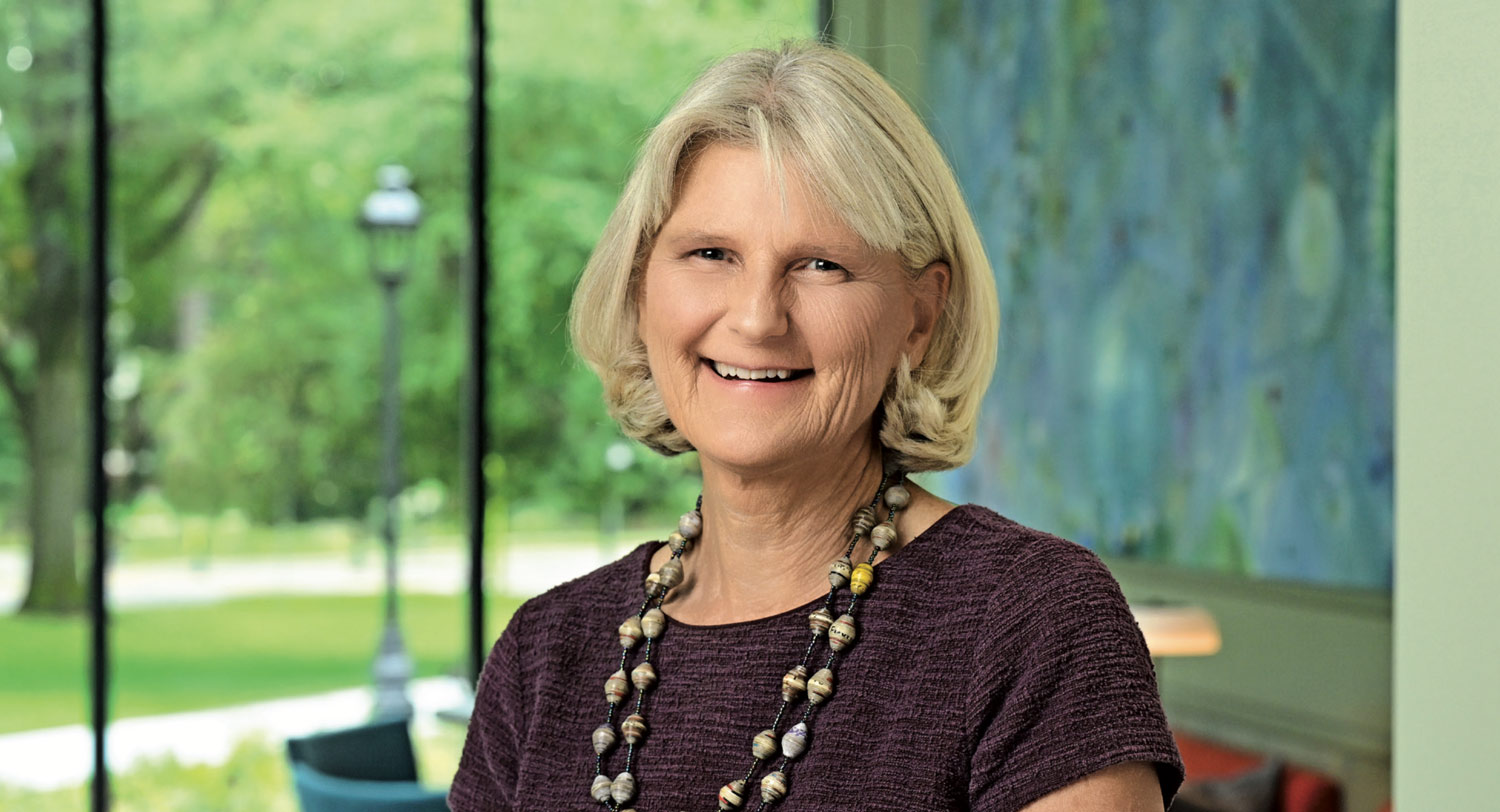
{"points": [[390, 216]]}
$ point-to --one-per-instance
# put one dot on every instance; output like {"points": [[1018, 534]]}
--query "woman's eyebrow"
{"points": [[853, 248], [695, 235]]}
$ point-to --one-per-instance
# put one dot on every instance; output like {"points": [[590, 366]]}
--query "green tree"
{"points": [[44, 195], [244, 136]]}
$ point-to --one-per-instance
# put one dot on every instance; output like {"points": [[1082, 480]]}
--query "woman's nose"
{"points": [[757, 306]]}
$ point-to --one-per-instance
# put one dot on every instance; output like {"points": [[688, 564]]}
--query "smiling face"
{"points": [[771, 329]]}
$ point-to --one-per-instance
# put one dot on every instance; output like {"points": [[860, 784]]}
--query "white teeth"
{"points": [[727, 371]]}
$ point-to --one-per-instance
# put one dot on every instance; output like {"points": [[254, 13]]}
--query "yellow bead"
{"points": [[860, 580]]}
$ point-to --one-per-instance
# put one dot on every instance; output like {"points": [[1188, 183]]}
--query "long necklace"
{"points": [[649, 623]]}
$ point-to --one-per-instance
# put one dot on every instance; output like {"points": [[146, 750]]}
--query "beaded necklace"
{"points": [[649, 622]]}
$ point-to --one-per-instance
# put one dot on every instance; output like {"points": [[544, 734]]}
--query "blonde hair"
{"points": [[853, 138]]}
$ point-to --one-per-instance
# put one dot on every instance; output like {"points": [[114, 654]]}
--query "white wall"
{"points": [[1447, 600]]}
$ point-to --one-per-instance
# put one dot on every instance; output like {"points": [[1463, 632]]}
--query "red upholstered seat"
{"points": [[1301, 790]]}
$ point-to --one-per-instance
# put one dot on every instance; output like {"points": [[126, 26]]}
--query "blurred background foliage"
{"points": [[245, 327]]}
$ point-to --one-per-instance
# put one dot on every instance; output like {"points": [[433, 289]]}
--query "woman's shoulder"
{"points": [[999, 554]]}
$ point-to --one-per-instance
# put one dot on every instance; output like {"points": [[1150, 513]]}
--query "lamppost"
{"points": [[390, 216]]}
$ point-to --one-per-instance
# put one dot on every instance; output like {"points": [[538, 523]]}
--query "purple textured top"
{"points": [[994, 664]]}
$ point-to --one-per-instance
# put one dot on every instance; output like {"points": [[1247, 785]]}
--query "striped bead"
{"points": [[623, 788], [653, 622], [654, 589], [863, 520], [677, 542], [616, 688], [630, 632], [773, 787], [633, 728], [764, 744], [838, 572], [820, 687], [604, 738], [819, 621], [883, 535], [794, 683], [600, 790], [732, 795], [794, 743], [670, 573], [897, 497], [690, 526], [841, 633], [643, 676], [862, 578]]}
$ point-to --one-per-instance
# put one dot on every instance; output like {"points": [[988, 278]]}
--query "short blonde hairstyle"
{"points": [[852, 137]]}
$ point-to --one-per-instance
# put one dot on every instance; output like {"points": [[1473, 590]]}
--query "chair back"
{"points": [[379, 751], [317, 792]]}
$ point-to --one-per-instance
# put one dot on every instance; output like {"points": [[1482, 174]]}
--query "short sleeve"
{"points": [[1068, 687], [488, 768]]}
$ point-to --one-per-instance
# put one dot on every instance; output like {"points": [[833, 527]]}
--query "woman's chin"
{"points": [[791, 455]]}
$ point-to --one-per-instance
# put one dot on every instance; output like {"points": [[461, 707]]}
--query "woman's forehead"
{"points": [[727, 188]]}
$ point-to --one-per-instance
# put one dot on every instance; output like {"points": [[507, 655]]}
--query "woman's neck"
{"points": [[768, 539]]}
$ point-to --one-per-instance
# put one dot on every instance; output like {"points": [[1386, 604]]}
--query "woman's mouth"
{"points": [[730, 372]]}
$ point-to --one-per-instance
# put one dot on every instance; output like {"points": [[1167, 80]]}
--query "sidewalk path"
{"points": [[517, 569], [57, 757]]}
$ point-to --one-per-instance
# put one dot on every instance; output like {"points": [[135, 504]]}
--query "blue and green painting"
{"points": [[1188, 207]]}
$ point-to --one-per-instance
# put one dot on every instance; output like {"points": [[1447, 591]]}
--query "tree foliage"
{"points": [[245, 325]]}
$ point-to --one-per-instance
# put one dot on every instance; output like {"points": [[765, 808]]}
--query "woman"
{"points": [[792, 287]]}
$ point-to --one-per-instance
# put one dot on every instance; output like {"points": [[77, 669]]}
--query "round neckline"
{"points": [[884, 566]]}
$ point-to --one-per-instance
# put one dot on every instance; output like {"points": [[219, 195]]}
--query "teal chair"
{"points": [[371, 767]]}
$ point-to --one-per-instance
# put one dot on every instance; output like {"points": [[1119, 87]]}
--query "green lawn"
{"points": [[192, 657], [255, 779]]}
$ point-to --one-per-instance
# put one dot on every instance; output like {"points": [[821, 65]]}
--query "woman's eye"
{"points": [[713, 254], [824, 265]]}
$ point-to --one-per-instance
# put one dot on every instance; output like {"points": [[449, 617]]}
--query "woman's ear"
{"points": [[929, 297]]}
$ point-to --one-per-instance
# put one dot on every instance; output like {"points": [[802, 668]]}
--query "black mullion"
{"points": [[98, 368], [478, 311], [825, 21]]}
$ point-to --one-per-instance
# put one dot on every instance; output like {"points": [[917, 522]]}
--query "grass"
{"points": [[193, 657], [255, 779]]}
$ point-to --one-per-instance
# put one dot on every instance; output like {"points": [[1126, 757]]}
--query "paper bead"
{"points": [[841, 633], [623, 788], [773, 787], [820, 687], [630, 632], [604, 738], [897, 497], [615, 688], [732, 795], [838, 572], [600, 790], [794, 743], [819, 621], [863, 520], [653, 622], [794, 683], [670, 573], [862, 578], [643, 676], [764, 744], [633, 728]]}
